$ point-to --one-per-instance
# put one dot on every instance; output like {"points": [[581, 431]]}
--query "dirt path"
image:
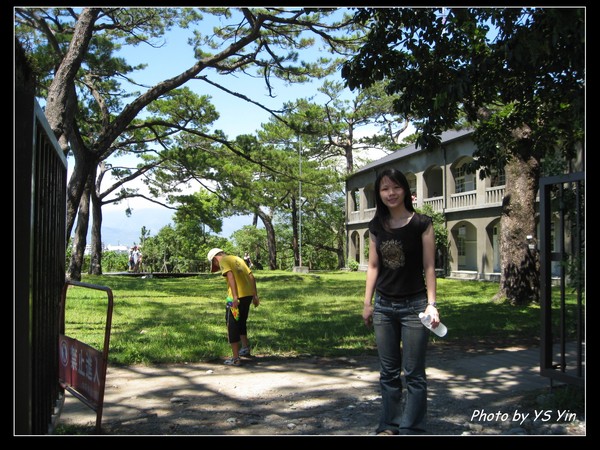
{"points": [[291, 396], [265, 396]]}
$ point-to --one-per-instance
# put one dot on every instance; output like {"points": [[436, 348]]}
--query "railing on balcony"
{"points": [[463, 200], [494, 195], [436, 203], [361, 215]]}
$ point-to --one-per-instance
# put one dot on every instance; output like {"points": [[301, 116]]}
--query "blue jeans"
{"points": [[396, 323]]}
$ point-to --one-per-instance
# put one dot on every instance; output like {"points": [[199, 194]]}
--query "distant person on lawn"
{"points": [[241, 288], [247, 260], [131, 262], [137, 259]]}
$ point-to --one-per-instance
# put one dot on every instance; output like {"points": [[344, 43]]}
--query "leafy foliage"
{"points": [[439, 226], [502, 67]]}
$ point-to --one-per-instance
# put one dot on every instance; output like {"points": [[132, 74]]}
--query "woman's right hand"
{"points": [[368, 315]]}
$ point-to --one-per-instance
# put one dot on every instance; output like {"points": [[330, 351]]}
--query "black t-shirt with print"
{"points": [[400, 252]]}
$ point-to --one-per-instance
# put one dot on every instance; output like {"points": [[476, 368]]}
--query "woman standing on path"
{"points": [[401, 276]]}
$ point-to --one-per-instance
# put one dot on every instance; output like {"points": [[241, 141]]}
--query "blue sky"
{"points": [[236, 117]]}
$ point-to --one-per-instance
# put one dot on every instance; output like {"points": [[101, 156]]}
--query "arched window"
{"points": [[465, 182], [498, 178]]}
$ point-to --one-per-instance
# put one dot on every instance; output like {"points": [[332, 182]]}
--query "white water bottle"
{"points": [[440, 330]]}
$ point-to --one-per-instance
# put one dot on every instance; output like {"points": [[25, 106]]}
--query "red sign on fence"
{"points": [[79, 368]]}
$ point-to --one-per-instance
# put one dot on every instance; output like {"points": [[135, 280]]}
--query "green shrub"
{"points": [[353, 265]]}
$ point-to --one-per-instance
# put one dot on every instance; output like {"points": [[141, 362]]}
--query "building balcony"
{"points": [[361, 215], [462, 201]]}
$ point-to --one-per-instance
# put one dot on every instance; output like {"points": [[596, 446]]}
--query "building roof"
{"points": [[446, 138]]}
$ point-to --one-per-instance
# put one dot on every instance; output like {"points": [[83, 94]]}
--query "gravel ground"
{"points": [[300, 396]]}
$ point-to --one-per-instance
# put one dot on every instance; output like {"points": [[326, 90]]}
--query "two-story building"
{"points": [[471, 206]]}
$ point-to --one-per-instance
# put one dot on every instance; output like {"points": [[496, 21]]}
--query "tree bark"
{"points": [[520, 280], [80, 238], [96, 244], [271, 243], [59, 110]]}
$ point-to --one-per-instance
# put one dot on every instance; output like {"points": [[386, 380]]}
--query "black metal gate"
{"points": [[40, 181], [562, 258]]}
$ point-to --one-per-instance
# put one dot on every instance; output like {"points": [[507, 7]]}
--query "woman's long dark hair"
{"points": [[382, 212]]}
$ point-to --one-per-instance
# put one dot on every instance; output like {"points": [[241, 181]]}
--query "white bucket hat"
{"points": [[211, 256]]}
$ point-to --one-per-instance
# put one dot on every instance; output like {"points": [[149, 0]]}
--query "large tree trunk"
{"points": [[271, 243], [82, 169], [520, 272], [96, 253], [348, 150], [59, 110], [80, 239]]}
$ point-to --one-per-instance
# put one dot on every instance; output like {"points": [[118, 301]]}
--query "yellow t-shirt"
{"points": [[241, 274]]}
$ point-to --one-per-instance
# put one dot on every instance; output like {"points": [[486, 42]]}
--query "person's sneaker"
{"points": [[232, 361], [245, 351]]}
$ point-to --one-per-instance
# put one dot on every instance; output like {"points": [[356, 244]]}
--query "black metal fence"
{"points": [[562, 256], [40, 181]]}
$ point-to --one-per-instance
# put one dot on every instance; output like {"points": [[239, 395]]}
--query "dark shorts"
{"points": [[237, 328]]}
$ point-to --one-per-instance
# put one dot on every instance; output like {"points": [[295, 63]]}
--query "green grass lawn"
{"points": [[174, 320]]}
